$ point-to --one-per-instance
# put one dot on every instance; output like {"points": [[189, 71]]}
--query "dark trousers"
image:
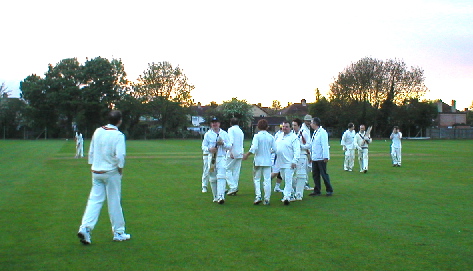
{"points": [[319, 168]]}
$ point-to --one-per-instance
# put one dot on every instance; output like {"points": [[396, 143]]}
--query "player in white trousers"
{"points": [[217, 142], [396, 147], [362, 141], [205, 171], [300, 176], [288, 152], [79, 145], [348, 146], [234, 156], [262, 146], [107, 157]]}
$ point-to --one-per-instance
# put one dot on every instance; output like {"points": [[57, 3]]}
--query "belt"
{"points": [[99, 172], [364, 147]]}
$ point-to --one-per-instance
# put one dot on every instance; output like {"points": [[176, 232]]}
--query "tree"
{"points": [[4, 92], [73, 93], [381, 84], [235, 108], [161, 82]]}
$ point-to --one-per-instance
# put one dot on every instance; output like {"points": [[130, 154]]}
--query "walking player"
{"points": [[216, 142], [107, 157], [348, 144], [362, 140], [300, 177]]}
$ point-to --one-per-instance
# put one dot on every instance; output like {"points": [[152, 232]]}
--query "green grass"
{"points": [[418, 217]]}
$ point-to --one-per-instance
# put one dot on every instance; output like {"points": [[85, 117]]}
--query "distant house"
{"points": [[450, 123], [197, 119], [449, 116], [297, 109], [258, 110], [273, 123]]}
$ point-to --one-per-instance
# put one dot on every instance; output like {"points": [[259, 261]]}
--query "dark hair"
{"points": [[114, 117], [234, 121], [316, 121], [290, 124], [299, 121], [396, 127], [350, 125], [263, 124]]}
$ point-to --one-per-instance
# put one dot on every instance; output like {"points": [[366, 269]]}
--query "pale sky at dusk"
{"points": [[259, 51]]}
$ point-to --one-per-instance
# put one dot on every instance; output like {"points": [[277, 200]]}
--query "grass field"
{"points": [[417, 217]]}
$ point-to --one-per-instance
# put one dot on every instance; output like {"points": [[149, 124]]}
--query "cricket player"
{"points": [[288, 151], [79, 145], [300, 177], [234, 156], [262, 146], [217, 142], [348, 146], [107, 157], [396, 137], [362, 141]]}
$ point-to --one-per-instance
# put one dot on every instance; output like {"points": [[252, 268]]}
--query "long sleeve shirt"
{"points": [[210, 141], [288, 149], [320, 149], [107, 149], [304, 140], [362, 141], [396, 138], [262, 146], [236, 140], [348, 139]]}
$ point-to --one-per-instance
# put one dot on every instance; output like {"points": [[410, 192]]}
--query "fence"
{"points": [[450, 133]]}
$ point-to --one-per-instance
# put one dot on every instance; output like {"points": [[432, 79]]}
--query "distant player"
{"points": [[79, 145], [396, 137], [362, 141], [348, 146]]}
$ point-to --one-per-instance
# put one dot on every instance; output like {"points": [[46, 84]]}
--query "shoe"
{"points": [[329, 194], [350, 170], [257, 201], [364, 171], [286, 201], [313, 194], [221, 201], [121, 237], [84, 236], [398, 165], [266, 202], [308, 188], [277, 189], [232, 192], [299, 198], [204, 189]]}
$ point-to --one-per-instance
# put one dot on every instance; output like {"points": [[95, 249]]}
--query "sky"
{"points": [[257, 50]]}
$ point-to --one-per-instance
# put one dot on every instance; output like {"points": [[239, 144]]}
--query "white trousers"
{"points": [[349, 159], [396, 155], [106, 186], [205, 171], [259, 171], [218, 179], [363, 159], [233, 173], [287, 175], [79, 150], [300, 177]]}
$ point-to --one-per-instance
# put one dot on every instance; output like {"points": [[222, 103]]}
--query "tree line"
{"points": [[76, 97]]}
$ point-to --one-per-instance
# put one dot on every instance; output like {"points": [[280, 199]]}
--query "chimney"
{"points": [[439, 106], [454, 106], [259, 104], [303, 102]]}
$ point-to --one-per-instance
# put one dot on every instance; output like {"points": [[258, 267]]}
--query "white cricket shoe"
{"points": [[84, 236], [204, 189], [121, 236]]}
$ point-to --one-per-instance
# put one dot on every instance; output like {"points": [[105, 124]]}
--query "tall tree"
{"points": [[161, 82]]}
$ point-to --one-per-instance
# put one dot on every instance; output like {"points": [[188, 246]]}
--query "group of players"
{"points": [[290, 155]]}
